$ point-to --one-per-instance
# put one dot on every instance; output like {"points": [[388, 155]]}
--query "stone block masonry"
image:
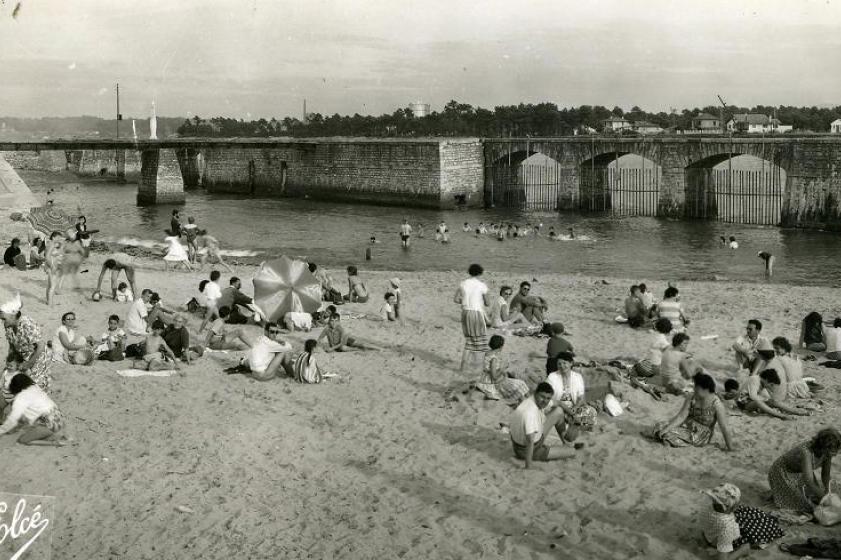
{"points": [[160, 178], [433, 174], [47, 160]]}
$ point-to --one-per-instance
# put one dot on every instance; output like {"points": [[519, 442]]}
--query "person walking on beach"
{"points": [[405, 233], [472, 295], [769, 262]]}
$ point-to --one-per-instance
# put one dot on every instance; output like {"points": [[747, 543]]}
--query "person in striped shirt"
{"points": [[670, 308]]}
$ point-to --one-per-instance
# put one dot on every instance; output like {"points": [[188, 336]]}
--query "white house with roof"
{"points": [[706, 122], [756, 123], [616, 124], [645, 127], [835, 126]]}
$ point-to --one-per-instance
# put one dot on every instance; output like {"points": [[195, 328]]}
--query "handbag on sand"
{"points": [[828, 512]]}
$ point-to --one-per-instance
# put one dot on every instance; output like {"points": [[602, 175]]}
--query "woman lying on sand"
{"points": [[794, 485], [695, 423]]}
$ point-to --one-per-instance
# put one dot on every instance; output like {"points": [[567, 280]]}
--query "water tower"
{"points": [[419, 109]]}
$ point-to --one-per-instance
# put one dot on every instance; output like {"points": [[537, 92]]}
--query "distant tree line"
{"points": [[461, 119], [15, 128]]}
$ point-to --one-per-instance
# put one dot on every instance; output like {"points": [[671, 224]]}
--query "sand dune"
{"points": [[375, 463]]}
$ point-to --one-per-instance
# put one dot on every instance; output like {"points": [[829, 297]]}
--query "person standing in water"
{"points": [[405, 233], [769, 262]]}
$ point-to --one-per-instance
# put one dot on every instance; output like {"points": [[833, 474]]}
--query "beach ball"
{"points": [[96, 296]]}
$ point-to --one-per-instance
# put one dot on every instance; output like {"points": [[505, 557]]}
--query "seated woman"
{"points": [[569, 394], [766, 393], [766, 358], [695, 423], [306, 368], [793, 368], [501, 315], [222, 337], [33, 407], [811, 333], [36, 253], [650, 365], [671, 309], [357, 293], [495, 382], [69, 347], [676, 366], [794, 485]]}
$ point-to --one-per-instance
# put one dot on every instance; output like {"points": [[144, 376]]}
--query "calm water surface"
{"points": [[337, 234]]}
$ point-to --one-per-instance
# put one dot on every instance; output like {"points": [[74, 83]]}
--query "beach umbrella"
{"points": [[48, 219], [283, 285]]}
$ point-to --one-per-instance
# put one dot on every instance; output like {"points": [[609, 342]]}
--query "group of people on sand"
{"points": [[200, 246]]}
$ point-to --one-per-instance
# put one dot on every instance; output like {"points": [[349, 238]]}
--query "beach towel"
{"points": [[143, 372], [828, 512]]}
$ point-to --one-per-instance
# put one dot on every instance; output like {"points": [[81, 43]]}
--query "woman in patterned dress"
{"points": [[792, 476], [26, 347], [695, 423], [494, 381]]}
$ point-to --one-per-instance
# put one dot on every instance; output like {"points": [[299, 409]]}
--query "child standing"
{"points": [[394, 288], [728, 526]]}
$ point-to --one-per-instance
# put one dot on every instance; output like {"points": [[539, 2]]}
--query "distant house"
{"points": [[706, 122], [616, 124], [835, 126], [756, 123], [645, 127]]}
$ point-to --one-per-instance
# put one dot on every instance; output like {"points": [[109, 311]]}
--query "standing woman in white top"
{"points": [[472, 295], [176, 253]]}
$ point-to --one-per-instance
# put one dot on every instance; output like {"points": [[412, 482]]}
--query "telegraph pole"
{"points": [[119, 116]]}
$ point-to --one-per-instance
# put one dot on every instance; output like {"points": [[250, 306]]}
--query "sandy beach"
{"points": [[375, 463]]}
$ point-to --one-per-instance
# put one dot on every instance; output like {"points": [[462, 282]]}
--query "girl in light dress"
{"points": [[176, 253]]}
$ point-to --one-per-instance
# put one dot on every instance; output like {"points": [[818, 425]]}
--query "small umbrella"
{"points": [[48, 219], [285, 285]]}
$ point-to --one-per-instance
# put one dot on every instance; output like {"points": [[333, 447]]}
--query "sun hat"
{"points": [[727, 494], [395, 282]]}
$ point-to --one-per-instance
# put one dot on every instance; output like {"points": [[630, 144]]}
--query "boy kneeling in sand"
{"points": [[338, 340]]}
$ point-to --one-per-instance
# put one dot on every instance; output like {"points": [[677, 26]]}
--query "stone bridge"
{"points": [[435, 172], [811, 195]]}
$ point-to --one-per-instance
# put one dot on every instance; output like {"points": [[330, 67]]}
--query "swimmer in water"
{"points": [[733, 243], [571, 233], [769, 262]]}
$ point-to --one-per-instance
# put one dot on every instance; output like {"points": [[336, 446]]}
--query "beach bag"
{"points": [[828, 512], [584, 416]]}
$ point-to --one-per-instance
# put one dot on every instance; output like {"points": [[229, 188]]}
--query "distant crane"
{"points": [[721, 114]]}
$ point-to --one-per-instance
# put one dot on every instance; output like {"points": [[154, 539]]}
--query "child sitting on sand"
{"points": [[306, 368], [157, 355], [387, 309], [728, 526], [337, 340], [113, 341], [123, 293], [32, 406]]}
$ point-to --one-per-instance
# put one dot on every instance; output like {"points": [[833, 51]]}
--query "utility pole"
{"points": [[119, 116], [721, 114]]}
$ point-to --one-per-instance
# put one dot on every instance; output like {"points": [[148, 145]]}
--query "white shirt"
{"points": [[655, 351], [29, 405], [261, 354], [734, 244], [212, 292], [136, 319], [125, 295], [832, 336], [59, 352], [527, 421], [472, 294], [385, 310], [568, 395]]}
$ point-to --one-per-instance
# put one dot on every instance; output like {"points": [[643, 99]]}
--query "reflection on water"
{"points": [[338, 234]]}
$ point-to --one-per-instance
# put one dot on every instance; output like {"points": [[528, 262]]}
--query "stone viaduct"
{"points": [[434, 173]]}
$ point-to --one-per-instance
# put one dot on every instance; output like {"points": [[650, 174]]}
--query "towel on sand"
{"points": [[142, 372]]}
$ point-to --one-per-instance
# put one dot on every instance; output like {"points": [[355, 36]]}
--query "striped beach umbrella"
{"points": [[48, 219], [283, 285]]}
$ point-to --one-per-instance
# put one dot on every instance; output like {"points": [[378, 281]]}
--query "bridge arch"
{"points": [[735, 187], [525, 178], [620, 182]]}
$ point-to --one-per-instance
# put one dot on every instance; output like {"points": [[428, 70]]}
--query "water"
{"points": [[336, 235]]}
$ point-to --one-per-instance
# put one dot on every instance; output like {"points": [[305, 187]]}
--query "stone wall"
{"points": [[410, 173], [812, 197], [160, 178], [52, 160]]}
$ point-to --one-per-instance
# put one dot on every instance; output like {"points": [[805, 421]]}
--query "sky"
{"points": [[262, 58]]}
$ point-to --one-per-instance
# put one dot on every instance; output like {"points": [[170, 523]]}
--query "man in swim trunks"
{"points": [[116, 264], [769, 262], [405, 233]]}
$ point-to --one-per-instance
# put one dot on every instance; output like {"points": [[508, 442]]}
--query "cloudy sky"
{"points": [[261, 58]]}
